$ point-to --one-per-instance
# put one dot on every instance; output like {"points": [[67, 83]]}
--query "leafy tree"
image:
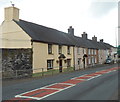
{"points": [[118, 51]]}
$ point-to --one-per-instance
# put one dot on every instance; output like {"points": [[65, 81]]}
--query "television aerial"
{"points": [[12, 4]]}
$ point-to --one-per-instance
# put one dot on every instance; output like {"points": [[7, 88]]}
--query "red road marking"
{"points": [[8, 101], [113, 68], [32, 93], [104, 71], [17, 98], [25, 100], [47, 92], [99, 73], [73, 81], [40, 93], [91, 74], [59, 86], [83, 77]]}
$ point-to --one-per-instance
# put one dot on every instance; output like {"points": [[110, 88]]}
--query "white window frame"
{"points": [[50, 64], [49, 48], [60, 49], [89, 60], [89, 52]]}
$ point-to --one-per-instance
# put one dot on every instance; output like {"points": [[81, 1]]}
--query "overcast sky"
{"points": [[95, 17]]}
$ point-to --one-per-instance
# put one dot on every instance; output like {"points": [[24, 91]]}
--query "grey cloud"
{"points": [[99, 9]]}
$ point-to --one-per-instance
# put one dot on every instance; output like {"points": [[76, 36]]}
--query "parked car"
{"points": [[109, 61]]}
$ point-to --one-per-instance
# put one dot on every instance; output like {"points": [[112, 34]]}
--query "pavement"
{"points": [[100, 83]]}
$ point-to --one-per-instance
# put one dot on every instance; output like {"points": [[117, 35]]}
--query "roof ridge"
{"points": [[50, 35]]}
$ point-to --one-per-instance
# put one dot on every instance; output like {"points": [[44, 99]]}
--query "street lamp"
{"points": [[117, 35]]}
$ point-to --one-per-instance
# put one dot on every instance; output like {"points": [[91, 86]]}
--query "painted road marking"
{"points": [[79, 76], [83, 77], [72, 81], [39, 94], [67, 84], [59, 86], [51, 89], [91, 74], [34, 89], [17, 99]]}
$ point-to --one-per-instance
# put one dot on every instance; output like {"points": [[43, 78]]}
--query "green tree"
{"points": [[118, 51]]}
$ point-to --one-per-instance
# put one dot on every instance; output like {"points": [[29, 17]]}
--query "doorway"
{"points": [[60, 66]]}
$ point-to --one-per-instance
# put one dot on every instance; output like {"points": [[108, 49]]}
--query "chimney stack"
{"points": [[94, 38], [101, 40], [84, 35], [11, 13], [71, 30]]}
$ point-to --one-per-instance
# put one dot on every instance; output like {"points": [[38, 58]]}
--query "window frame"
{"points": [[49, 48], [60, 49], [78, 50], [51, 64], [68, 65], [68, 50]]}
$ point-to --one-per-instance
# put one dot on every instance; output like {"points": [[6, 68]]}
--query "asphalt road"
{"points": [[103, 87]]}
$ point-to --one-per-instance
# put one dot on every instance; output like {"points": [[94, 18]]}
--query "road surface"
{"points": [[91, 84]]}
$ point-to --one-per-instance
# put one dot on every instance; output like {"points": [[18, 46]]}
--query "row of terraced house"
{"points": [[28, 45]]}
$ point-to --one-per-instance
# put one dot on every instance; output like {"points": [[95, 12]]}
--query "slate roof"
{"points": [[44, 34]]}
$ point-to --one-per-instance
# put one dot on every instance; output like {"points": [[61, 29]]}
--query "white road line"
{"points": [[51, 88], [34, 89], [58, 89], [90, 78], [37, 98], [93, 77], [78, 79], [97, 76], [68, 84], [54, 93], [27, 97]]}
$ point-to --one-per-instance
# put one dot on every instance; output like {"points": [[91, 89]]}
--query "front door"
{"points": [[60, 66]]}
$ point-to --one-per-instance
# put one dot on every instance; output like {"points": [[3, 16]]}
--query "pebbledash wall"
{"points": [[16, 59]]}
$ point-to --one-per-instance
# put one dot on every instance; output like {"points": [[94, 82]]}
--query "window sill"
{"points": [[50, 54]]}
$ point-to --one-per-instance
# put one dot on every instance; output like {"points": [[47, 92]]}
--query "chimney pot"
{"points": [[94, 38], [71, 30], [101, 40], [84, 35]]}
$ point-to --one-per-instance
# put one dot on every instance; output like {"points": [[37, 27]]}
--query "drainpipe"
{"points": [[32, 54], [74, 57]]}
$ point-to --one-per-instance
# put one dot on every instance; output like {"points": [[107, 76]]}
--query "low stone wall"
{"points": [[16, 59]]}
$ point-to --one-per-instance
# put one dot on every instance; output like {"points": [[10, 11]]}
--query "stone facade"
{"points": [[16, 59]]}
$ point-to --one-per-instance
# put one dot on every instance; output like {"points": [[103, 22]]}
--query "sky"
{"points": [[95, 17]]}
